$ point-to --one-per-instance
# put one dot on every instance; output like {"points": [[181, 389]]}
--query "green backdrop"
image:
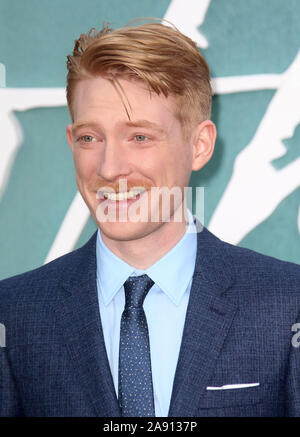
{"points": [[244, 37]]}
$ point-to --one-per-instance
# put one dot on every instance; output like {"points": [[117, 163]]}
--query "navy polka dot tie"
{"points": [[135, 377]]}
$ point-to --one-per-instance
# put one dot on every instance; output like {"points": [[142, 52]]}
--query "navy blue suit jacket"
{"points": [[238, 330]]}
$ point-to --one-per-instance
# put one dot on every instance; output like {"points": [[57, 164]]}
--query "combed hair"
{"points": [[166, 60]]}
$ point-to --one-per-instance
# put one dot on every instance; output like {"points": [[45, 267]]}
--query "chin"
{"points": [[127, 231]]}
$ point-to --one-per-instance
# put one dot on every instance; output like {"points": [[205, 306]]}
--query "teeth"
{"points": [[122, 196]]}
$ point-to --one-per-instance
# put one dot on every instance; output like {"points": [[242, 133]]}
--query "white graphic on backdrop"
{"points": [[23, 99], [254, 178], [187, 16], [20, 99], [256, 188], [70, 229]]}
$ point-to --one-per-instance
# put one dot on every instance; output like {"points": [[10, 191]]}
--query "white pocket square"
{"points": [[231, 386]]}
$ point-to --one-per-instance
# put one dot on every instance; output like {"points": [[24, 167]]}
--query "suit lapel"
{"points": [[208, 319], [82, 330]]}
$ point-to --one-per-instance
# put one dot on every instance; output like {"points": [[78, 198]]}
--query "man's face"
{"points": [[149, 150]]}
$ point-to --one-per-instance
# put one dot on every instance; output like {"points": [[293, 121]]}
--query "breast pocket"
{"points": [[231, 397]]}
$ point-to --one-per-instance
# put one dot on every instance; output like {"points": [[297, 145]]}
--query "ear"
{"points": [[204, 138], [69, 136]]}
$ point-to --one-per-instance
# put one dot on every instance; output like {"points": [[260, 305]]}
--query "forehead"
{"points": [[121, 100]]}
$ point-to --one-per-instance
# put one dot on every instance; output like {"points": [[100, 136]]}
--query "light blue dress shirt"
{"points": [[165, 308]]}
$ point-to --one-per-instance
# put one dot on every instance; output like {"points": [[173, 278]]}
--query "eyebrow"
{"points": [[138, 123], [80, 124], [146, 124]]}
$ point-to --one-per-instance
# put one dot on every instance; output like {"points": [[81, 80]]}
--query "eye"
{"points": [[140, 138], [86, 138]]}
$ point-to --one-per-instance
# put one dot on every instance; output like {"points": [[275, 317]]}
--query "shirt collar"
{"points": [[172, 273]]}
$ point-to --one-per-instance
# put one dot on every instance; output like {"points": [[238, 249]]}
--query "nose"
{"points": [[114, 161]]}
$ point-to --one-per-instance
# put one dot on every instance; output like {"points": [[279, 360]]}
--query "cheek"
{"points": [[85, 163], [178, 167]]}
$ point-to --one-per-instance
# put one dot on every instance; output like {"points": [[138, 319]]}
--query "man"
{"points": [[153, 316]]}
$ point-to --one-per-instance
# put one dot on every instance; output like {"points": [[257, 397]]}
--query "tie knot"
{"points": [[136, 289]]}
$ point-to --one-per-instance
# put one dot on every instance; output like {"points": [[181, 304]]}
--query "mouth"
{"points": [[122, 197]]}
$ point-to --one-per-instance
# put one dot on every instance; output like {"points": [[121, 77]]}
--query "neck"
{"points": [[143, 252]]}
